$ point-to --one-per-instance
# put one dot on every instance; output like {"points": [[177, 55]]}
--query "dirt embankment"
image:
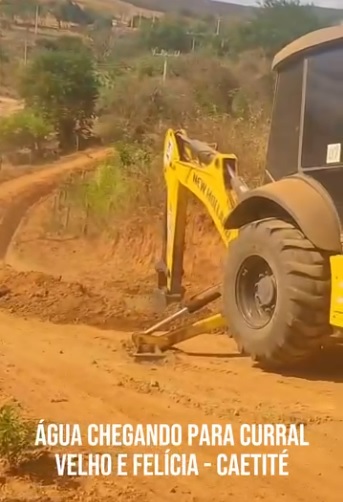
{"points": [[104, 281], [80, 374], [59, 280]]}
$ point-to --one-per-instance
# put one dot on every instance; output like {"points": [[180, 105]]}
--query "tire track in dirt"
{"points": [[80, 374]]}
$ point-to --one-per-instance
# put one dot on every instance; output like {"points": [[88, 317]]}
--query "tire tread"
{"points": [[309, 276]]}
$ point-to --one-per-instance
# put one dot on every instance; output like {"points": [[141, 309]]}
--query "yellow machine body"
{"points": [[282, 291], [191, 166], [205, 178], [336, 304]]}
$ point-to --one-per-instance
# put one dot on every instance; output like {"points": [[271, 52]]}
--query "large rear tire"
{"points": [[276, 293]]}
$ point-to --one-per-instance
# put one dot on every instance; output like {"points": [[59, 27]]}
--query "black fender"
{"points": [[299, 198]]}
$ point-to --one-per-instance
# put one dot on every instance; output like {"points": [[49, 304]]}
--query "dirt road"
{"points": [[9, 105], [80, 374]]}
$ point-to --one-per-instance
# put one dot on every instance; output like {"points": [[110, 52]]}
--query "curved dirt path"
{"points": [[9, 105], [19, 194], [79, 374]]}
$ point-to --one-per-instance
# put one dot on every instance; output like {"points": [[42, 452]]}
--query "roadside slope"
{"points": [[19, 194]]}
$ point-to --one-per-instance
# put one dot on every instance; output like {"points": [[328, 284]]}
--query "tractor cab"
{"points": [[307, 121]]}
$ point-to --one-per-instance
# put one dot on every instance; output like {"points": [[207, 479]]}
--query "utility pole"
{"points": [[25, 50], [165, 55], [218, 26], [194, 37], [36, 20]]}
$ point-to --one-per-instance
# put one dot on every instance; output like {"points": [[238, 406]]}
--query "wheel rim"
{"points": [[256, 292]]}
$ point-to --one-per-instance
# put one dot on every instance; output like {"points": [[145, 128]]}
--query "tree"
{"points": [[63, 86], [21, 8], [168, 34], [69, 43], [24, 129], [3, 55], [276, 23], [103, 42], [71, 12], [103, 22]]}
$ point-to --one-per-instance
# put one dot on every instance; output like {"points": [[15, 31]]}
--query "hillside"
{"points": [[212, 7], [200, 7], [148, 8], [119, 7], [116, 8]]}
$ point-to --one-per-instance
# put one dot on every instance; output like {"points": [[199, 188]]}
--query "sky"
{"points": [[321, 3]]}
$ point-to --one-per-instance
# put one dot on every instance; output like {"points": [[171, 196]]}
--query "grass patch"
{"points": [[17, 435], [96, 202]]}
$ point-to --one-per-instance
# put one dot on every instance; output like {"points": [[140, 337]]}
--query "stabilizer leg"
{"points": [[149, 345]]}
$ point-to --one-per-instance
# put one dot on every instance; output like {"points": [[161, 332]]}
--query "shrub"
{"points": [[24, 129], [17, 435]]}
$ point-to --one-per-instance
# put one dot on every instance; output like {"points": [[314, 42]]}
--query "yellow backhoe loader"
{"points": [[282, 290]]}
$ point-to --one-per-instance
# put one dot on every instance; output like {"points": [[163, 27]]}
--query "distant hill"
{"points": [[210, 7], [128, 8], [201, 7], [336, 14], [114, 7]]}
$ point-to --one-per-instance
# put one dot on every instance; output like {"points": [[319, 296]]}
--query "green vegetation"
{"points": [[63, 87], [169, 34], [63, 10], [3, 55], [277, 23], [17, 436], [118, 84], [273, 25], [25, 128]]}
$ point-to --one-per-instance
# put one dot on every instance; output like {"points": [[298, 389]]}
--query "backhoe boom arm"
{"points": [[193, 166]]}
